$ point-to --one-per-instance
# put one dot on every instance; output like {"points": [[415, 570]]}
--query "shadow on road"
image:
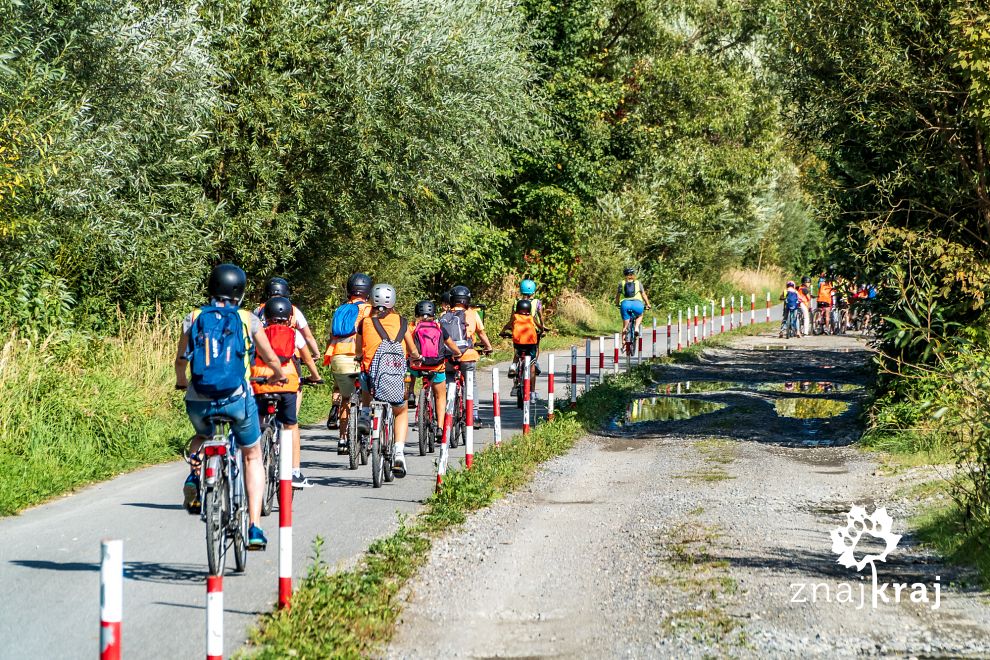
{"points": [[141, 571], [155, 505]]}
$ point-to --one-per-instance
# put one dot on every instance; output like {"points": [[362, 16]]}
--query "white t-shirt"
{"points": [[301, 322]]}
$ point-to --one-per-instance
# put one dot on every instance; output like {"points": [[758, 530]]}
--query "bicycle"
{"points": [[791, 323], [629, 338], [271, 430], [819, 323], [358, 448], [382, 443], [458, 427], [224, 497], [427, 428]]}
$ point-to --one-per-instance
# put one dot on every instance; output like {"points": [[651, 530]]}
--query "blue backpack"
{"points": [[345, 320], [217, 351], [791, 301]]}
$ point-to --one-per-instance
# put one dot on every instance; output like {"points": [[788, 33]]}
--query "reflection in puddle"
{"points": [[809, 387], [688, 386], [662, 409], [802, 408], [770, 347]]}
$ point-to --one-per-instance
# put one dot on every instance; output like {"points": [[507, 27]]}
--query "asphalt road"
{"points": [[49, 558]]}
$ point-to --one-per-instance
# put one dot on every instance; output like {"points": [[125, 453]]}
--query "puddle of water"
{"points": [[809, 387], [662, 409], [802, 408], [770, 347], [696, 386]]}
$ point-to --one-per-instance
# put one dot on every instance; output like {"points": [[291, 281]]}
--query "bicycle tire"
{"points": [[240, 520], [215, 507], [434, 427], [377, 467], [519, 391], [424, 422], [453, 423], [353, 437], [388, 447], [270, 463]]}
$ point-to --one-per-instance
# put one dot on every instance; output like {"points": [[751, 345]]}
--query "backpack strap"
{"points": [[384, 335]]}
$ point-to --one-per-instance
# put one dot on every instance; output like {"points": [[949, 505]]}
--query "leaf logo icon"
{"points": [[845, 539]]}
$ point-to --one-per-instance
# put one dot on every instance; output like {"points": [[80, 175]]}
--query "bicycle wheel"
{"points": [[519, 391], [239, 519], [388, 446], [433, 430], [424, 420], [269, 460], [377, 462], [353, 436], [216, 505], [454, 422]]}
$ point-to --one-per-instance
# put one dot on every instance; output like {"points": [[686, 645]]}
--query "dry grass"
{"points": [[577, 315], [756, 281]]}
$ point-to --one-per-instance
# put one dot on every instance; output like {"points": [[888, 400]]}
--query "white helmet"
{"points": [[383, 295]]}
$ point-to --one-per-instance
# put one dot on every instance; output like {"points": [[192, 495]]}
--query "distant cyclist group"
{"points": [[242, 371], [839, 305]]}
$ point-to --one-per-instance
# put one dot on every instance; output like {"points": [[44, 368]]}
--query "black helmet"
{"points": [[426, 308], [278, 308], [460, 295], [359, 284], [227, 283], [524, 306], [628, 271], [805, 280], [277, 286], [445, 299]]}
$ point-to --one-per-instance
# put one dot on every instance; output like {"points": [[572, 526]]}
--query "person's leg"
{"points": [[400, 417], [197, 412], [254, 480], [247, 433], [440, 397]]}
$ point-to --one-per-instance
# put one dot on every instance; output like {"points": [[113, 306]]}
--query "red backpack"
{"points": [[429, 341], [283, 341]]}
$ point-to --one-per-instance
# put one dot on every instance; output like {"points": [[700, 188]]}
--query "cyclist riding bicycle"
{"points": [[279, 287], [525, 333], [435, 346], [527, 291], [287, 342], [341, 352], [463, 324], [217, 342], [632, 300], [386, 325]]}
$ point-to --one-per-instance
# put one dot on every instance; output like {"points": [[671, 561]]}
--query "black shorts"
{"points": [[286, 407], [522, 350]]}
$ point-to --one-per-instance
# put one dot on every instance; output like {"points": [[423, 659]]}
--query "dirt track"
{"points": [[692, 537]]}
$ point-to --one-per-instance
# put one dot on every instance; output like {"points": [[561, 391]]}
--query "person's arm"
{"points": [[507, 328], [307, 334], [267, 355], [359, 345], [618, 296], [484, 340], [310, 363], [181, 382], [646, 298], [414, 355]]}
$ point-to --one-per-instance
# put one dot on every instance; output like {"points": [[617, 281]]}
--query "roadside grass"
{"points": [[352, 613], [79, 409], [942, 526]]}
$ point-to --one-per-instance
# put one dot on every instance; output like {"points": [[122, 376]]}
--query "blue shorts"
{"points": [[242, 409], [632, 309], [436, 377]]}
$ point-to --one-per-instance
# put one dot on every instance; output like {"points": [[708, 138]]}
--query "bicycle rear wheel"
{"points": [[519, 389], [353, 437], [216, 506], [388, 447], [424, 419], [240, 519], [377, 461], [269, 458]]}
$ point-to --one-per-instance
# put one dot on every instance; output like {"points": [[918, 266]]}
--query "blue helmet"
{"points": [[527, 287]]}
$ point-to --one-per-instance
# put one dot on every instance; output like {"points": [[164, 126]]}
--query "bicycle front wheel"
{"points": [[377, 463], [216, 505], [424, 418], [388, 447], [353, 438], [270, 462], [239, 517]]}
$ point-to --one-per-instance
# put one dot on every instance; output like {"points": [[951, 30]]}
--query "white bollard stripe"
{"points": [[112, 581], [551, 395], [214, 617], [497, 407]]}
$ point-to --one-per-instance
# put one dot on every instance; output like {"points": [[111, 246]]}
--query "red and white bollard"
{"points": [[573, 376], [752, 309], [550, 393], [669, 324], [616, 340], [704, 320], [587, 365], [526, 391], [711, 330], [601, 358], [285, 517], [696, 335], [469, 412], [111, 597], [639, 349], [732, 312], [722, 317], [214, 617], [653, 353], [679, 315], [497, 407], [768, 306], [448, 424]]}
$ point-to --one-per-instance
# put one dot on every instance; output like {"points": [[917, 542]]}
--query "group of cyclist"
{"points": [[227, 356], [838, 305]]}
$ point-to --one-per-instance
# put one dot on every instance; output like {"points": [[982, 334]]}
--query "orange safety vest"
{"points": [[524, 329], [825, 293], [346, 345]]}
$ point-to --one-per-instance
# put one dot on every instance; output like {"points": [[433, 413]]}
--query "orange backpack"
{"points": [[524, 329]]}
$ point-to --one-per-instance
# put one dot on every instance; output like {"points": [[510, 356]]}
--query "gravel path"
{"points": [[686, 538]]}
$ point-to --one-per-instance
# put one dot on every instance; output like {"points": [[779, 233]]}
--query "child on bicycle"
{"points": [[286, 341], [434, 345], [226, 290], [525, 333], [388, 333], [792, 308], [341, 354]]}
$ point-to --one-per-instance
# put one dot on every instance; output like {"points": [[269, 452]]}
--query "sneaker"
{"points": [[256, 539], [342, 446], [514, 390], [190, 495], [538, 370], [333, 419], [412, 402], [400, 465], [512, 370], [532, 398], [299, 481]]}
